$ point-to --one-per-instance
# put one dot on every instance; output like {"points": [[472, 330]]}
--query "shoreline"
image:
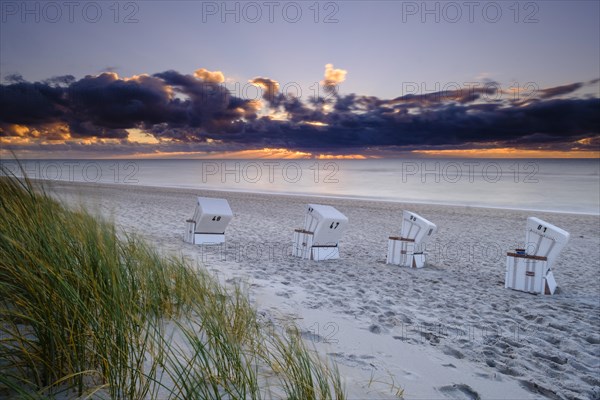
{"points": [[442, 331], [315, 196]]}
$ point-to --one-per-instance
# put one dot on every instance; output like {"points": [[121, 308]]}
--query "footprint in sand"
{"points": [[452, 352], [459, 391], [537, 389], [313, 337]]}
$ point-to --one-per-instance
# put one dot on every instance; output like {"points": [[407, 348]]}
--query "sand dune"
{"points": [[450, 330]]}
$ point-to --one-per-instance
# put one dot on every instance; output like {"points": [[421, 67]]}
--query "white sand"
{"points": [[449, 330]]}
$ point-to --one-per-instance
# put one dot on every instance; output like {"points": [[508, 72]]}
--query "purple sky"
{"points": [[510, 57]]}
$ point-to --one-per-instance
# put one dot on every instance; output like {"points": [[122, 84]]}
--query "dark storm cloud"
{"points": [[207, 104], [187, 109], [104, 105], [61, 80], [461, 95], [83, 129], [540, 123], [32, 103], [14, 78], [560, 90]]}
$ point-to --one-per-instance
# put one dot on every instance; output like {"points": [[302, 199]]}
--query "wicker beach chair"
{"points": [[319, 238], [209, 222], [528, 269], [407, 250]]}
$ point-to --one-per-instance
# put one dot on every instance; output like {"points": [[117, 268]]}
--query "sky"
{"points": [[358, 79]]}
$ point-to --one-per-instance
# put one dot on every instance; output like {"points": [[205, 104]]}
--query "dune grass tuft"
{"points": [[85, 311]]}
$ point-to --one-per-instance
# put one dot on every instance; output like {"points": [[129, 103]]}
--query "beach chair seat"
{"points": [[319, 238], [208, 224], [407, 250], [528, 269]]}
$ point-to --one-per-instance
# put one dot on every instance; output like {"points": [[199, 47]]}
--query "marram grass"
{"points": [[88, 313]]}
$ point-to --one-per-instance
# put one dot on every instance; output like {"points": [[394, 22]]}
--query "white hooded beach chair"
{"points": [[319, 238], [528, 269], [208, 224], [407, 250]]}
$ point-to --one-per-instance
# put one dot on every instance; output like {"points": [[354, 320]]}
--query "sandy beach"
{"points": [[450, 330]]}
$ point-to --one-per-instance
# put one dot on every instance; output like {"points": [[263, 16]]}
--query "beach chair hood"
{"points": [[327, 223], [544, 240], [417, 228], [212, 215]]}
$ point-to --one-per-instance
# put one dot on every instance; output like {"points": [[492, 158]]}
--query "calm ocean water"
{"points": [[533, 184]]}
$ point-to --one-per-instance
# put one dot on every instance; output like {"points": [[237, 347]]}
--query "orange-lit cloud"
{"points": [[139, 136], [264, 153], [270, 87], [342, 157], [135, 78], [209, 76], [48, 132], [333, 76], [315, 123], [267, 153], [14, 130]]}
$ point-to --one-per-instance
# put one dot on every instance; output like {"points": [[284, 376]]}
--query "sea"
{"points": [[556, 185]]}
